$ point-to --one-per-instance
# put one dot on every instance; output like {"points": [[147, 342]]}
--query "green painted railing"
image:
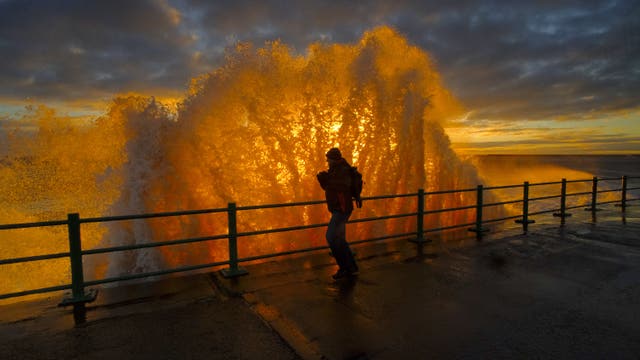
{"points": [[80, 294]]}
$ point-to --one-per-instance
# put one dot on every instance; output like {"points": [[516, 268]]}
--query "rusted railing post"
{"points": [[420, 220], [623, 195], [478, 229], [234, 270], [563, 202], [525, 208], [594, 196], [78, 296]]}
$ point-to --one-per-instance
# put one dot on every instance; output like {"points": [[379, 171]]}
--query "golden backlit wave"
{"points": [[254, 131]]}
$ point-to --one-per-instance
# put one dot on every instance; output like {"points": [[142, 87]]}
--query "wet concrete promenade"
{"points": [[570, 292]]}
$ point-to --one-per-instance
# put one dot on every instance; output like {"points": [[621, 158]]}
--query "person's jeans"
{"points": [[337, 239]]}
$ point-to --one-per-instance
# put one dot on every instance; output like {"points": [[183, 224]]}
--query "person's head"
{"points": [[333, 156]]}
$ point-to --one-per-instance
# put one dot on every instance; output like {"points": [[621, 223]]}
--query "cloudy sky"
{"points": [[546, 76]]}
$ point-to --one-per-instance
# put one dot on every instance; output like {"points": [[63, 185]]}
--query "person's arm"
{"points": [[323, 179]]}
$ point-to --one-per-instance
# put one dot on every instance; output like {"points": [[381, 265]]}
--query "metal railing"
{"points": [[80, 294]]}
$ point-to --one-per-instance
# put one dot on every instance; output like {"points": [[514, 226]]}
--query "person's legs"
{"points": [[349, 261], [336, 237], [333, 238]]}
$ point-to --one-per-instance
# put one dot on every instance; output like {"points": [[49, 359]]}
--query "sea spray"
{"points": [[253, 131]]}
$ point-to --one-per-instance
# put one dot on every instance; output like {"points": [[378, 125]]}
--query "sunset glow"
{"points": [[254, 131], [120, 107]]}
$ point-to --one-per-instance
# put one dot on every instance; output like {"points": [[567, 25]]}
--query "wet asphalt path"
{"points": [[569, 292], [556, 293]]}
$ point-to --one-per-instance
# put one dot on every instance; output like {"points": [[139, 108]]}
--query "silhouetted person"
{"points": [[336, 184]]}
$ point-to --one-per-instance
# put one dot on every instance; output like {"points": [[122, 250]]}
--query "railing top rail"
{"points": [[271, 206], [579, 180], [152, 215], [545, 183], [571, 181], [503, 187], [609, 178], [33, 224], [440, 192], [379, 197]]}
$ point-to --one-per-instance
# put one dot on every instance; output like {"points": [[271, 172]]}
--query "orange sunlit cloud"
{"points": [[607, 133]]}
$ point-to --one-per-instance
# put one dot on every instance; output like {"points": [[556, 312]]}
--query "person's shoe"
{"points": [[340, 274]]}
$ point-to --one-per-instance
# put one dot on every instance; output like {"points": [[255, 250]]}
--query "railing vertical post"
{"points": [[420, 219], [478, 229], [234, 270], [78, 295], [75, 248], [525, 208], [594, 195], [563, 202], [623, 196]]}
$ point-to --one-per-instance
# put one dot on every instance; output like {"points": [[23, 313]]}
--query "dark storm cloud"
{"points": [[537, 61], [503, 59], [59, 49]]}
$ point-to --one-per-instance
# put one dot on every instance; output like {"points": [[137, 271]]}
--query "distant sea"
{"points": [[497, 170], [598, 165]]}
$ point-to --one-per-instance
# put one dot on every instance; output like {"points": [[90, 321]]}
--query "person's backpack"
{"points": [[356, 186]]}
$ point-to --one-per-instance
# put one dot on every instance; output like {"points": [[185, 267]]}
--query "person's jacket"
{"points": [[336, 184]]}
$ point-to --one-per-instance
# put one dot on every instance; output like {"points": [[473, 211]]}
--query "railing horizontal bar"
{"points": [[34, 258], [303, 227], [270, 231], [634, 188], [502, 219], [609, 202], [543, 212], [271, 206], [382, 217], [379, 238], [33, 224], [153, 215], [442, 192], [290, 252], [580, 193], [389, 196], [606, 191], [577, 206], [545, 183], [449, 209], [545, 197], [35, 291], [577, 181], [609, 179], [449, 227], [503, 203], [323, 247], [153, 244], [155, 273], [503, 187]]}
